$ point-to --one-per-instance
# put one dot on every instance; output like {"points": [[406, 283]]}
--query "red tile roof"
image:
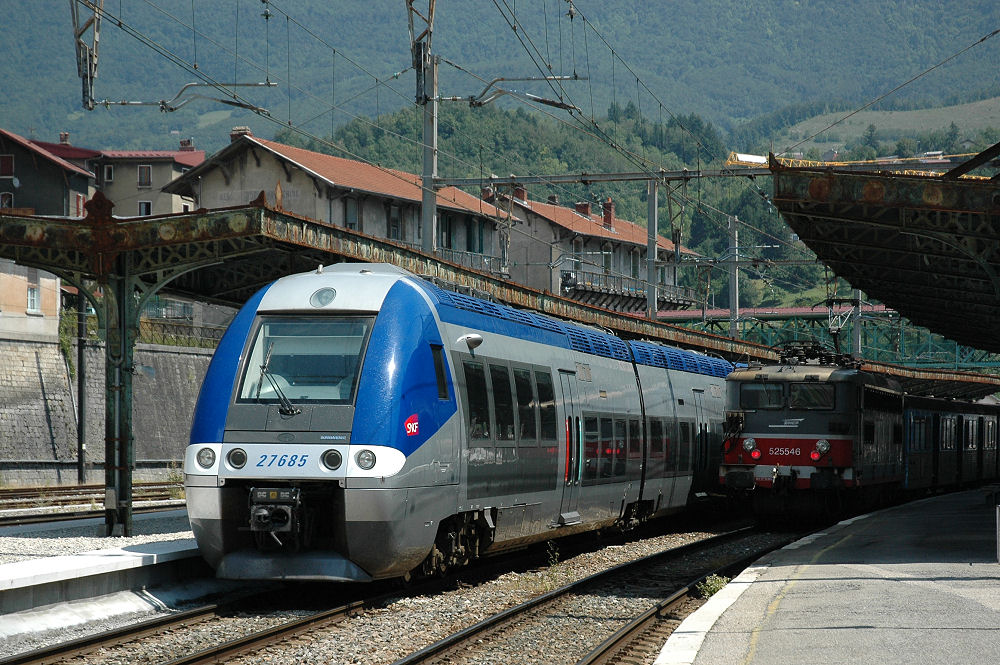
{"points": [[184, 157], [59, 161], [352, 174], [593, 225], [67, 151]]}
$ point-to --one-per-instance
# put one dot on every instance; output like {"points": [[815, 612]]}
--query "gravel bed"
{"points": [[381, 635]]}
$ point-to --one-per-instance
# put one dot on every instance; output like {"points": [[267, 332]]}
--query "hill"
{"points": [[730, 63]]}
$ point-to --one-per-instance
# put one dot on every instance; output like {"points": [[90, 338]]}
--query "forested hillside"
{"points": [[730, 63], [654, 85]]}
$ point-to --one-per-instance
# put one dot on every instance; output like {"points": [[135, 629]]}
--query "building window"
{"points": [[185, 207], [352, 216], [577, 254], [473, 235], [78, 207], [607, 257], [6, 199], [394, 226], [109, 173], [34, 291], [444, 231], [635, 264], [145, 208], [145, 175], [6, 166]]}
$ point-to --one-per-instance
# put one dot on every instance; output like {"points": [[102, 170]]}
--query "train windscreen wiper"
{"points": [[285, 406]]}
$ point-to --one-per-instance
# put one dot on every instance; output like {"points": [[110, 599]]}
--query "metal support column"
{"points": [[121, 312], [652, 228], [81, 387], [734, 278]]}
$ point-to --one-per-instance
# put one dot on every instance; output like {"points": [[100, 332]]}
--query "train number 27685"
{"points": [[282, 460]]}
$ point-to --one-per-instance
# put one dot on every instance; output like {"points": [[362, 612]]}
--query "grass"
{"points": [[892, 125]]}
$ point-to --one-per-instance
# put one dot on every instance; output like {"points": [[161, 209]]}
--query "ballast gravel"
{"points": [[382, 635]]}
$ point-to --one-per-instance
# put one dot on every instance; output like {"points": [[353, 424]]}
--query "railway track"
{"points": [[364, 603], [551, 613], [34, 505]]}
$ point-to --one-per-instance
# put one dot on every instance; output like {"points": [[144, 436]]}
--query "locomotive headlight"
{"points": [[365, 459], [206, 458], [322, 297], [749, 445], [332, 459], [237, 458], [823, 446]]}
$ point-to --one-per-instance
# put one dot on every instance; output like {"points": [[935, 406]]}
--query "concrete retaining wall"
{"points": [[38, 410]]}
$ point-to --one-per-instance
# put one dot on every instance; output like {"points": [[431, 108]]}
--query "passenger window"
{"points": [[687, 438], [607, 461], [526, 406], [620, 449], [634, 463], [476, 399], [546, 406], [439, 371], [502, 402]]}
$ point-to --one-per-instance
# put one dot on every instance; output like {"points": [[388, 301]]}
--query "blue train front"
{"points": [[358, 423]]}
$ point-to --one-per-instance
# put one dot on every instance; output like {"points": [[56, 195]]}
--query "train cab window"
{"points": [[503, 403], [439, 371], [810, 396], [527, 406], [761, 396], [546, 406], [591, 449], [478, 413], [304, 359]]}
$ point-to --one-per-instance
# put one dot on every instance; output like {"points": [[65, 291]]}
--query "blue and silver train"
{"points": [[358, 423]]}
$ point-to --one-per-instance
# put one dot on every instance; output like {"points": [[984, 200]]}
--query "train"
{"points": [[815, 435], [358, 423]]}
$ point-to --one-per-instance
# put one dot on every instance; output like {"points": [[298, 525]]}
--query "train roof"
{"points": [[363, 287], [811, 372], [538, 327]]}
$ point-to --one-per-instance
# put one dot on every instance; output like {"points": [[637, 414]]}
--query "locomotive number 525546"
{"points": [[785, 451]]}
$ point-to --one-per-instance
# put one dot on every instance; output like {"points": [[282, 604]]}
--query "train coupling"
{"points": [[275, 510]]}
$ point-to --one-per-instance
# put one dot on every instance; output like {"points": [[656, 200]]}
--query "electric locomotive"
{"points": [[812, 432], [359, 422]]}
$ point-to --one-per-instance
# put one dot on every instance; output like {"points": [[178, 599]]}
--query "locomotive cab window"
{"points": [[810, 396], [761, 396], [302, 359]]}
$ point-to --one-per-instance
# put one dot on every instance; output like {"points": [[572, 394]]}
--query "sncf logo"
{"points": [[412, 425]]}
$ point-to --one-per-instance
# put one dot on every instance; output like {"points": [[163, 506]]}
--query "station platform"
{"points": [[61, 567], [917, 583]]}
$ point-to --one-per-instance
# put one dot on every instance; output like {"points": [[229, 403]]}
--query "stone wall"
{"points": [[38, 410]]}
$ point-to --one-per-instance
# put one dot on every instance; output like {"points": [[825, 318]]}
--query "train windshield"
{"points": [[761, 396], [810, 396], [305, 359]]}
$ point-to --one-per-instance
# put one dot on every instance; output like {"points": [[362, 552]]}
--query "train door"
{"points": [[701, 471], [568, 508]]}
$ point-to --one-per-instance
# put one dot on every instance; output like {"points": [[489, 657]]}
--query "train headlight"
{"points": [[332, 459], [237, 458], [365, 459], [322, 297], [206, 458], [823, 446], [749, 445]]}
